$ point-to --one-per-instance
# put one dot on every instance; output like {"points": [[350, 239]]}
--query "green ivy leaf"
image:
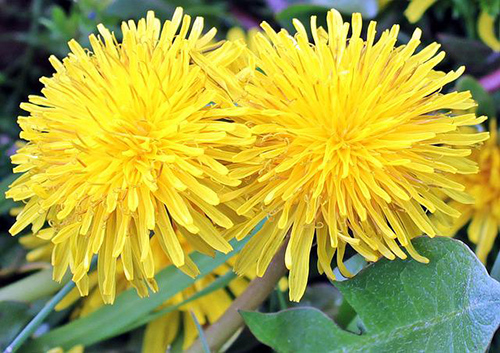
{"points": [[449, 304]]}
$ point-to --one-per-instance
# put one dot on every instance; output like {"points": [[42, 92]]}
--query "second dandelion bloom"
{"points": [[482, 211], [128, 139], [355, 141]]}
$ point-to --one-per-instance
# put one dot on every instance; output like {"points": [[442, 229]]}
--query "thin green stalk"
{"points": [[281, 298], [346, 314], [201, 334], [39, 318]]}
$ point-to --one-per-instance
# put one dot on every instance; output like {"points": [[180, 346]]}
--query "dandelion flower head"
{"points": [[354, 141], [126, 140], [482, 210]]}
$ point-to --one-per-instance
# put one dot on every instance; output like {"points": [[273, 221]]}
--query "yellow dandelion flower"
{"points": [[482, 209], [162, 331], [354, 141], [127, 139]]}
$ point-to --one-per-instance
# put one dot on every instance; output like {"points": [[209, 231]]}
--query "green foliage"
{"points": [[219, 283], [491, 6], [304, 10], [111, 320], [485, 103], [6, 204], [13, 317], [404, 305], [330, 301], [31, 288]]}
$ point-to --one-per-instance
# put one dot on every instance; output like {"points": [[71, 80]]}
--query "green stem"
{"points": [[346, 314], [201, 334], [39, 318], [281, 298]]}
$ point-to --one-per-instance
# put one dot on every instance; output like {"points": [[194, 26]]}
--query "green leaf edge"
{"points": [[263, 335]]}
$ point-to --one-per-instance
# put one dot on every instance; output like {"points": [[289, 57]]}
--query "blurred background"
{"points": [[31, 30]]}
